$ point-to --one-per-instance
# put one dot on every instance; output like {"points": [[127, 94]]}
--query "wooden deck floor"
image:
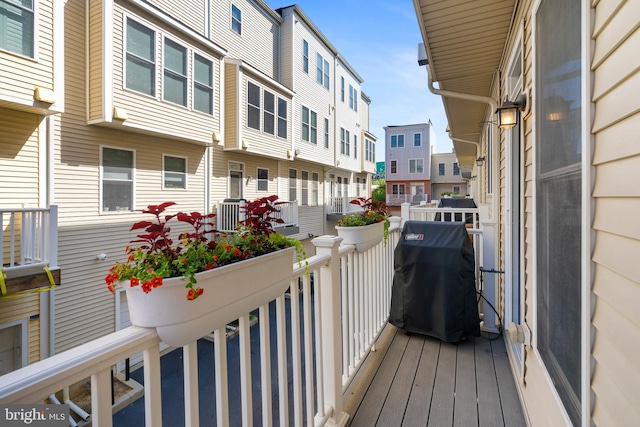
{"points": [[421, 381]]}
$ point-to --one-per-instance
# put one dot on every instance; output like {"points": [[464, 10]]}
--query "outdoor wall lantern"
{"points": [[508, 112], [480, 161]]}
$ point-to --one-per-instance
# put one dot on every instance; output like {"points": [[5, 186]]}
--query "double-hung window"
{"points": [[269, 112], [305, 188], [326, 133], [293, 185], [236, 19], [17, 28], [441, 170], [175, 73], [202, 84], [140, 58], [456, 168], [305, 56], [394, 166], [282, 118], [350, 96], [397, 141], [353, 98], [355, 146], [322, 71], [417, 139], [263, 179], [253, 106], [343, 143], [559, 198], [342, 89], [309, 125], [416, 166], [117, 179], [174, 173], [314, 188]]}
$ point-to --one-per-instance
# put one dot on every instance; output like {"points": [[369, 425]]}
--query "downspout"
{"points": [[492, 103]]}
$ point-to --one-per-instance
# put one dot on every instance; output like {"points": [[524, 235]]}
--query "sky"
{"points": [[379, 39]]}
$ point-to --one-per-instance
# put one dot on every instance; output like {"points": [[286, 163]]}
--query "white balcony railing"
{"points": [[230, 213], [342, 205], [337, 307], [398, 199], [29, 238]]}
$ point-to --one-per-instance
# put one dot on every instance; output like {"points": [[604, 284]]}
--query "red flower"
{"points": [[209, 266], [111, 289], [236, 252], [111, 278], [146, 286], [156, 281], [134, 281]]}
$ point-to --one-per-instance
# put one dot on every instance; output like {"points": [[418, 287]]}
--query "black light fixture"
{"points": [[480, 161], [508, 112]]}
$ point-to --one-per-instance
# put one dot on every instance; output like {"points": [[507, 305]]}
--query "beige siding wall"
{"points": [[192, 13], [20, 74], [288, 52], [19, 150], [19, 308], [616, 320], [163, 116], [84, 309], [259, 142], [96, 60], [258, 43], [314, 96], [232, 114]]}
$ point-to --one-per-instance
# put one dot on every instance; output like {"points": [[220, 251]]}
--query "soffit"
{"points": [[465, 41]]}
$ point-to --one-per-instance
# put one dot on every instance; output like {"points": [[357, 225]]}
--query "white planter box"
{"points": [[364, 237], [230, 292]]}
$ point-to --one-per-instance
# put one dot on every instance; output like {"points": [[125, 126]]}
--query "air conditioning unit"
{"points": [[422, 55]]}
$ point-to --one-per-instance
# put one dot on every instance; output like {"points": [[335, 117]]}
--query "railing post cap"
{"points": [[395, 219], [327, 241]]}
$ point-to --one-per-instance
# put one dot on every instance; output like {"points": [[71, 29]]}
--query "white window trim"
{"points": [[305, 56], [126, 17], [186, 173], [258, 179], [188, 69], [101, 178], [231, 6], [36, 34], [193, 83]]}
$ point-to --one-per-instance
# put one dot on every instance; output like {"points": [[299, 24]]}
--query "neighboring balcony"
{"points": [[231, 212], [320, 354], [28, 249], [340, 206]]}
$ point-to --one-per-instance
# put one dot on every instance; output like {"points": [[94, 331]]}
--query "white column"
{"points": [[330, 316]]}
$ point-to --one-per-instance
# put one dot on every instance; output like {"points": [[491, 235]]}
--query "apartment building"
{"points": [[446, 176], [110, 106], [408, 163]]}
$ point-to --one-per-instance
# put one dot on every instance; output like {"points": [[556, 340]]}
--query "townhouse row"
{"points": [[109, 106]]}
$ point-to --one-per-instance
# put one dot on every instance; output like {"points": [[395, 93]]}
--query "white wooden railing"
{"points": [[29, 238], [342, 205], [230, 213], [338, 304], [398, 199]]}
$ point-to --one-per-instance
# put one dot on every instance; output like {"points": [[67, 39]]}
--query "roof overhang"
{"points": [[465, 42]]}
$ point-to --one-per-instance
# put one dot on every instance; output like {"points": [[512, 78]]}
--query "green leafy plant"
{"points": [[157, 256], [372, 213]]}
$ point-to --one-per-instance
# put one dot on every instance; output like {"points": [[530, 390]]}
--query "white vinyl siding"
{"points": [[616, 201], [17, 26]]}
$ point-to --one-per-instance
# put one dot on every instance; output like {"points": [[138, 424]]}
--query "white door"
{"points": [[10, 349], [236, 174]]}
